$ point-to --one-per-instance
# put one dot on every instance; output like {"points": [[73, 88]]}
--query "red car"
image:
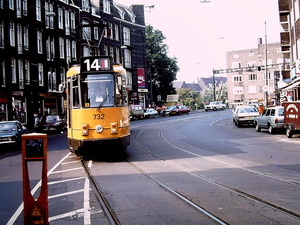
{"points": [[51, 123], [180, 109]]}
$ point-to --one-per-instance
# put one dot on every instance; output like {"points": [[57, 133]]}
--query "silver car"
{"points": [[272, 119], [244, 115]]}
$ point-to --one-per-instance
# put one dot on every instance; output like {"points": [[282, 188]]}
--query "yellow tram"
{"points": [[97, 105]]}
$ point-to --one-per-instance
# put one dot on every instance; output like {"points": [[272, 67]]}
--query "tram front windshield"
{"points": [[98, 90]]}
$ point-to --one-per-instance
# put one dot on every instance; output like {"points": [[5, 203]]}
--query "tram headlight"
{"points": [[114, 128], [99, 128], [84, 129]]}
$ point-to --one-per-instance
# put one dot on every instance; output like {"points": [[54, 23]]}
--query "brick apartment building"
{"points": [[247, 78]]}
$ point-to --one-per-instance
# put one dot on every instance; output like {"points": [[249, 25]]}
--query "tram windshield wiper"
{"points": [[102, 103]]}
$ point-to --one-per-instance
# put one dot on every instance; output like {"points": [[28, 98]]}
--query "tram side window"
{"points": [[75, 94], [121, 94]]}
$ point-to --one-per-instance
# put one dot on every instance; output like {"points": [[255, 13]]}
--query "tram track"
{"points": [[241, 193]]}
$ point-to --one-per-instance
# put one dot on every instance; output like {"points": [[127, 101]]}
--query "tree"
{"points": [[190, 98], [162, 69]]}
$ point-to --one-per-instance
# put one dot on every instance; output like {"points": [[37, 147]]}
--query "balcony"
{"points": [[284, 21], [283, 6], [285, 38]]}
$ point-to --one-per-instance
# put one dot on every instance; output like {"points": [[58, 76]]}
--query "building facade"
{"points": [[40, 40], [289, 14], [253, 75]]}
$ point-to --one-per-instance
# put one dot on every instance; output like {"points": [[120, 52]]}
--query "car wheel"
{"points": [[257, 128], [271, 129], [215, 109], [239, 124], [289, 132], [206, 110]]}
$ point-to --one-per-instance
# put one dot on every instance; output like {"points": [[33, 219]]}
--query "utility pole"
{"points": [[266, 66]]}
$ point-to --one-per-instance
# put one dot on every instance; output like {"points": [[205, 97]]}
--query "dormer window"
{"points": [[106, 6]]}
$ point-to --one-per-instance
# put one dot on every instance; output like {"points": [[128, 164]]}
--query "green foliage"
{"points": [[190, 98], [162, 69]]}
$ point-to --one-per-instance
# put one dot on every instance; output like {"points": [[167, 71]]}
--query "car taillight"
{"points": [[276, 120]]}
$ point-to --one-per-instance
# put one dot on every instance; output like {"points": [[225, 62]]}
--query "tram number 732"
{"points": [[97, 105]]}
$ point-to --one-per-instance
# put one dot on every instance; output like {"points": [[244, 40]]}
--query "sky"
{"points": [[199, 34]]}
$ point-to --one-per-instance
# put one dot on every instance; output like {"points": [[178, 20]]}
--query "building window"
{"points": [[27, 72], [38, 10], [60, 18], [13, 70], [11, 4], [73, 24], [74, 55], [41, 72], [96, 33], [62, 75], [86, 51], [19, 9], [236, 65], [52, 49], [12, 34], [68, 51], [25, 7], [86, 31], [116, 32], [111, 52], [252, 77], [105, 30], [49, 15], [3, 73], [106, 6], [61, 48], [39, 42], [21, 74], [26, 38], [238, 78], [2, 34], [19, 39], [110, 31], [129, 80], [67, 22], [126, 35], [251, 64], [1, 4], [117, 55], [48, 47], [105, 49], [127, 58], [238, 90], [85, 5]]}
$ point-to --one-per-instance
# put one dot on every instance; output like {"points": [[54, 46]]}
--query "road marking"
{"points": [[90, 164], [66, 180], [63, 171], [64, 163], [86, 203], [20, 208]]}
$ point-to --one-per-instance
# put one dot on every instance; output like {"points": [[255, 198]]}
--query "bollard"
{"points": [[34, 148]]}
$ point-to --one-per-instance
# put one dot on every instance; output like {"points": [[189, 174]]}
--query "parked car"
{"points": [[150, 112], [11, 132], [180, 109], [167, 110], [50, 123], [215, 106], [136, 112], [272, 119], [245, 115]]}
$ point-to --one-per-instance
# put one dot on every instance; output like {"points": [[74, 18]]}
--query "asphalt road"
{"points": [[189, 169]]}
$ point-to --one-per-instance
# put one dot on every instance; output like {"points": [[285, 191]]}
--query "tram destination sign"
{"points": [[95, 64]]}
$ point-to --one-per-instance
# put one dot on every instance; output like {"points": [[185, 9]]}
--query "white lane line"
{"points": [[63, 171], [68, 214], [65, 193], [20, 208], [64, 163], [86, 203], [66, 180]]}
